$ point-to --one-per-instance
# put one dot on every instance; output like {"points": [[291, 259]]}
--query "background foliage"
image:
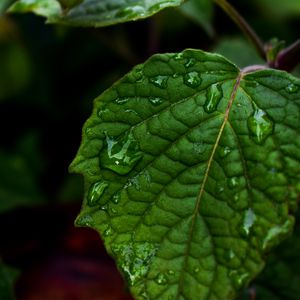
{"points": [[49, 77]]}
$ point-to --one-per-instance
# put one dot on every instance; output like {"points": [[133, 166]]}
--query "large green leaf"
{"points": [[93, 12], [190, 168]]}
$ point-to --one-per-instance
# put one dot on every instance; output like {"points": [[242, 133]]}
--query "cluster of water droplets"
{"points": [[134, 259]]}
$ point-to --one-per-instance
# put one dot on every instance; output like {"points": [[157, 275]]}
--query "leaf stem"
{"points": [[243, 25], [289, 57]]}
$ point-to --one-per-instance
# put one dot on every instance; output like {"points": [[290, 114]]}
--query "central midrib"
{"points": [[197, 206]]}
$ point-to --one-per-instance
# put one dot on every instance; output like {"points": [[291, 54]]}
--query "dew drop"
{"points": [[219, 188], [229, 254], [292, 88], [192, 79], [84, 221], [196, 270], [122, 100], [224, 151], [120, 155], [95, 192], [248, 221], [161, 279], [116, 198], [160, 81], [134, 259], [108, 231], [178, 56], [239, 278], [233, 182], [104, 207], [101, 112], [260, 126], [236, 197], [156, 101], [131, 12], [113, 210], [131, 111], [190, 62], [213, 97]]}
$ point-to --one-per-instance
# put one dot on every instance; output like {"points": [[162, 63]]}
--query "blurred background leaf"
{"points": [[200, 11], [8, 277]]}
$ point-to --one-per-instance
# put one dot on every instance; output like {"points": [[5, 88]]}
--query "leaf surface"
{"points": [[95, 13], [190, 168]]}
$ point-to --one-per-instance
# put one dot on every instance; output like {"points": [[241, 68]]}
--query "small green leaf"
{"points": [[93, 12], [201, 183]]}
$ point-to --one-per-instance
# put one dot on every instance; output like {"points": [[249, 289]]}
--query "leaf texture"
{"points": [[96, 13], [190, 169]]}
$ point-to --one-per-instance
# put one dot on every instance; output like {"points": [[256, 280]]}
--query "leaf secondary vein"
{"points": [[202, 189]]}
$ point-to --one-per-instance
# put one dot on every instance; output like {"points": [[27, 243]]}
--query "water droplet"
{"points": [[131, 111], [120, 155], [161, 279], [213, 97], [233, 182], [239, 278], [277, 233], [292, 88], [229, 254], [160, 81], [101, 112], [116, 198], [108, 231], [260, 125], [131, 11], [104, 207], [89, 132], [122, 100], [155, 101], [219, 188], [84, 221], [134, 259], [190, 62], [236, 197], [95, 192], [113, 210], [192, 79], [178, 56], [196, 270], [224, 151], [248, 221]]}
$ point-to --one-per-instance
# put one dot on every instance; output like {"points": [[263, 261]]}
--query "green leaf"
{"points": [[7, 278], [93, 12], [201, 11], [19, 184], [190, 168]]}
